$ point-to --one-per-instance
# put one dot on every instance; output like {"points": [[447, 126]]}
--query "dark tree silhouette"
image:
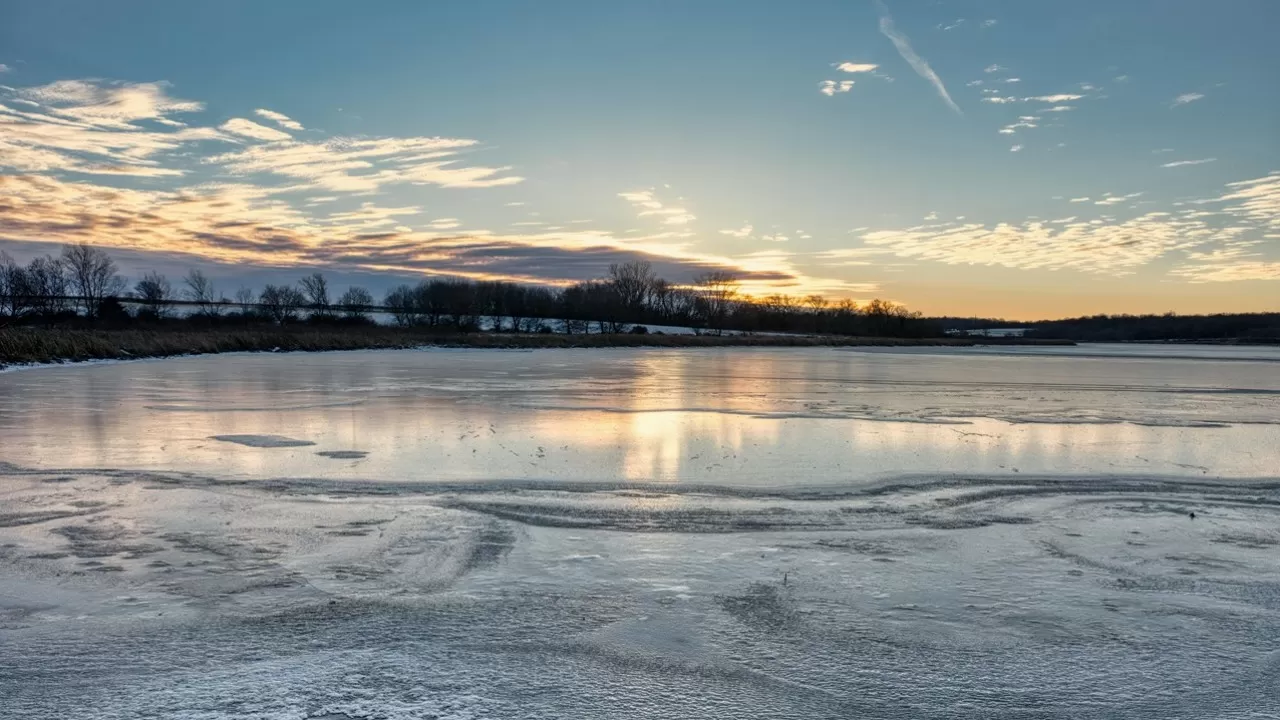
{"points": [[355, 303], [200, 291], [91, 274], [628, 299], [46, 285], [244, 298], [633, 283], [281, 303], [155, 292], [316, 290], [10, 280], [717, 295]]}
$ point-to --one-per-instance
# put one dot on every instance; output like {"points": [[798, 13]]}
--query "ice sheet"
{"points": [[729, 416], [805, 564]]}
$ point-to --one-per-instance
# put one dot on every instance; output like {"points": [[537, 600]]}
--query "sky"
{"points": [[995, 158]]}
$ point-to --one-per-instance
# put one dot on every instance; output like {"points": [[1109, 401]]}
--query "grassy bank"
{"points": [[46, 345]]}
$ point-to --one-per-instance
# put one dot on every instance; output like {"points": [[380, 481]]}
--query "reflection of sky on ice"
{"points": [[738, 417]]}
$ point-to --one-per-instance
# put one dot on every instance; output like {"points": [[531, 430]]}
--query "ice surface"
{"points": [[643, 534], [726, 417]]}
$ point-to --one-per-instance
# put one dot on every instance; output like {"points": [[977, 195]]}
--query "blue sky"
{"points": [[1021, 159]]}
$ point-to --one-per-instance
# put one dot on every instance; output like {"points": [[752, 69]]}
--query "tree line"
{"points": [[83, 284], [1150, 327], [1254, 327]]}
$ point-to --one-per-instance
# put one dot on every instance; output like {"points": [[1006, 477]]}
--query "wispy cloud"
{"points": [[105, 128], [1055, 99], [5, 68], [251, 129], [994, 68], [95, 128], [1078, 199], [242, 224], [1025, 122], [1185, 98], [852, 67], [648, 205], [280, 119], [1219, 245], [916, 62], [989, 23], [1256, 201], [1209, 269], [268, 199], [370, 217], [998, 100], [1111, 199], [1105, 249], [1016, 148], [366, 164], [108, 105], [831, 87], [741, 233], [1251, 204], [1180, 163]]}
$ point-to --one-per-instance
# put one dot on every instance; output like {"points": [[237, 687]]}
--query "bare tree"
{"points": [[776, 303], [155, 291], [512, 302], [19, 290], [459, 300], [717, 293], [46, 285], [92, 275], [281, 303], [431, 300], [633, 282], [885, 308], [316, 289], [885, 317], [9, 279], [816, 303], [355, 302], [661, 298], [200, 291], [244, 298]]}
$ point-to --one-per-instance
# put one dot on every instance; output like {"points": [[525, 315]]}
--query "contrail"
{"points": [[917, 63]]}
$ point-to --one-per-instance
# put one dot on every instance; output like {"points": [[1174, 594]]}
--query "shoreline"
{"points": [[41, 346]]}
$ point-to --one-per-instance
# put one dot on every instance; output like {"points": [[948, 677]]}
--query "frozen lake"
{"points": [[807, 533]]}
